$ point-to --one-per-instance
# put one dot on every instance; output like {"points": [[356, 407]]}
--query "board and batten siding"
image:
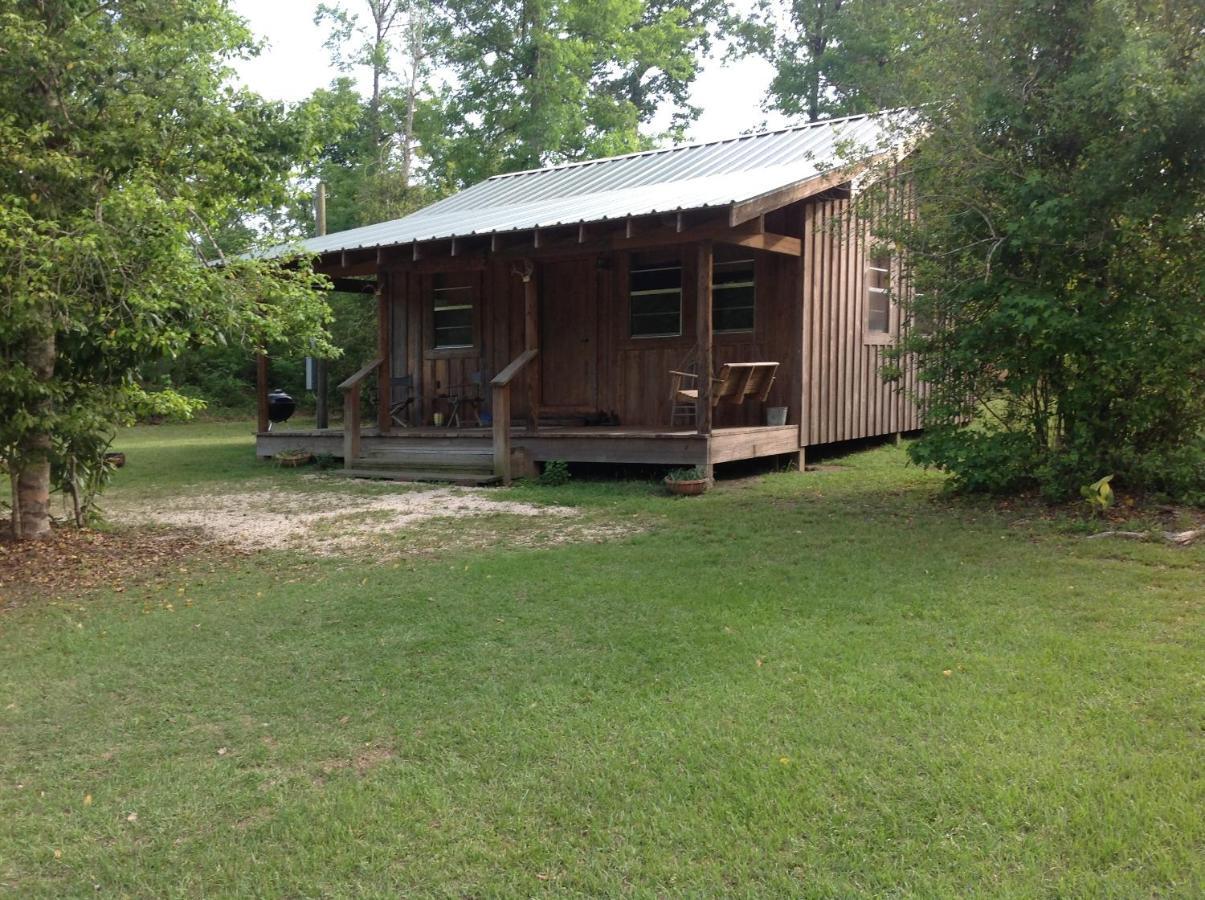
{"points": [[844, 394]]}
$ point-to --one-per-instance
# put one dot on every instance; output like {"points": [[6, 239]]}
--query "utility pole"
{"points": [[321, 413]]}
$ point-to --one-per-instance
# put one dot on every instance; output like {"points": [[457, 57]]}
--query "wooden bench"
{"points": [[735, 383]]}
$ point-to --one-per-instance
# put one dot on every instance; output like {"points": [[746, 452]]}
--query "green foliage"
{"points": [[554, 80], [1098, 494], [835, 57], [373, 148], [1057, 246], [128, 162], [693, 473], [555, 473]]}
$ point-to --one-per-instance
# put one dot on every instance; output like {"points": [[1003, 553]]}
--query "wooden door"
{"points": [[569, 335]]}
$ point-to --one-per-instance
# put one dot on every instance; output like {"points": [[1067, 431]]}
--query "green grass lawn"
{"points": [[816, 684]]}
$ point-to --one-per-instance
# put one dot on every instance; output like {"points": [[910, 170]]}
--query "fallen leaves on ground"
{"points": [[75, 560]]}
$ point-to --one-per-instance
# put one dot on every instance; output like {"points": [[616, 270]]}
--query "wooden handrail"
{"points": [[351, 412], [501, 412], [366, 370], [507, 375]]}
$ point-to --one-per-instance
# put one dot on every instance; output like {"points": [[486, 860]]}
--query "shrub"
{"points": [[556, 473]]}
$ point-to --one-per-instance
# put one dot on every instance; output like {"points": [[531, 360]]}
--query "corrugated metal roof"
{"points": [[694, 176]]}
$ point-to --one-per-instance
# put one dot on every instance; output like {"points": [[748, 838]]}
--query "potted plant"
{"points": [[687, 482], [291, 459]]}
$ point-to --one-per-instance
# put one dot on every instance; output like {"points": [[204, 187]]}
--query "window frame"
{"points": [[679, 290], [445, 283], [883, 261]]}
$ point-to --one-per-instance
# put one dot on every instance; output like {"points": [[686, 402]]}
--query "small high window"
{"points": [[452, 315], [656, 300], [878, 294], [732, 295]]}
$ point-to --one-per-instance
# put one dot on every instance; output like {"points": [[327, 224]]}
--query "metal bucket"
{"points": [[776, 415]]}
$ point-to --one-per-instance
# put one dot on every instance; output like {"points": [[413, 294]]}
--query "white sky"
{"points": [[295, 63]]}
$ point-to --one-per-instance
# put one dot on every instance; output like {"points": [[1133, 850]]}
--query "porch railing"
{"points": [[501, 412], [351, 412]]}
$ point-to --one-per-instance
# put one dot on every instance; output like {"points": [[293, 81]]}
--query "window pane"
{"points": [[656, 301], [666, 302], [657, 314], [452, 318], [878, 317], [736, 272], [878, 293], [656, 279], [447, 338], [732, 308], [660, 325]]}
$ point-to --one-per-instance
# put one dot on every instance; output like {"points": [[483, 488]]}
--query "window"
{"points": [[732, 293], [656, 300], [878, 294], [452, 315]]}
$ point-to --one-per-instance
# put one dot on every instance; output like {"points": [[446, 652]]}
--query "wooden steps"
{"points": [[462, 479], [467, 463]]}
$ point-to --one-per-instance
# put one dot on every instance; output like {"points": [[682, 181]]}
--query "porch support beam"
{"points": [[261, 392], [531, 343], [703, 339], [384, 375], [775, 243]]}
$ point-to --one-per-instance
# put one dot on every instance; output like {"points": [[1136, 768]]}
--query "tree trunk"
{"points": [[33, 454]]}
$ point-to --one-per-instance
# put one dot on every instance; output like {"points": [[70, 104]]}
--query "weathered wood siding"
{"points": [[844, 393], [631, 375]]}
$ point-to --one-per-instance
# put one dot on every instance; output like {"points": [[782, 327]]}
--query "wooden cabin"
{"points": [[573, 312]]}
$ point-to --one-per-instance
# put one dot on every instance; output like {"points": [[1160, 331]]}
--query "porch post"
{"points": [[531, 341], [384, 373], [703, 336], [261, 392]]}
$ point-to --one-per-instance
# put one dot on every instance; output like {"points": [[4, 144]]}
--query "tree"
{"points": [[834, 57], [126, 157], [1056, 246], [370, 159], [544, 81]]}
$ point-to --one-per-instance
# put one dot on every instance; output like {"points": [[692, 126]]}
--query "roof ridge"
{"points": [[692, 146]]}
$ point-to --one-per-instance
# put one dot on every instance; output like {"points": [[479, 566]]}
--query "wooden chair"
{"points": [[684, 391], [466, 398], [403, 400]]}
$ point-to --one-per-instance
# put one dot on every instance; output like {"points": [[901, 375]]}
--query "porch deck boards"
{"points": [[603, 444]]}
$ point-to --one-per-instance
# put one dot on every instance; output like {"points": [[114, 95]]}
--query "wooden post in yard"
{"points": [[703, 336], [531, 341], [261, 392], [322, 416]]}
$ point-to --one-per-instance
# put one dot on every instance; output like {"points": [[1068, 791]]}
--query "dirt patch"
{"points": [[362, 763], [71, 562], [194, 533], [331, 522]]}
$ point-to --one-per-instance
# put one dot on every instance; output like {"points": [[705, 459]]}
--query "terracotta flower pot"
{"points": [[293, 460], [691, 488]]}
